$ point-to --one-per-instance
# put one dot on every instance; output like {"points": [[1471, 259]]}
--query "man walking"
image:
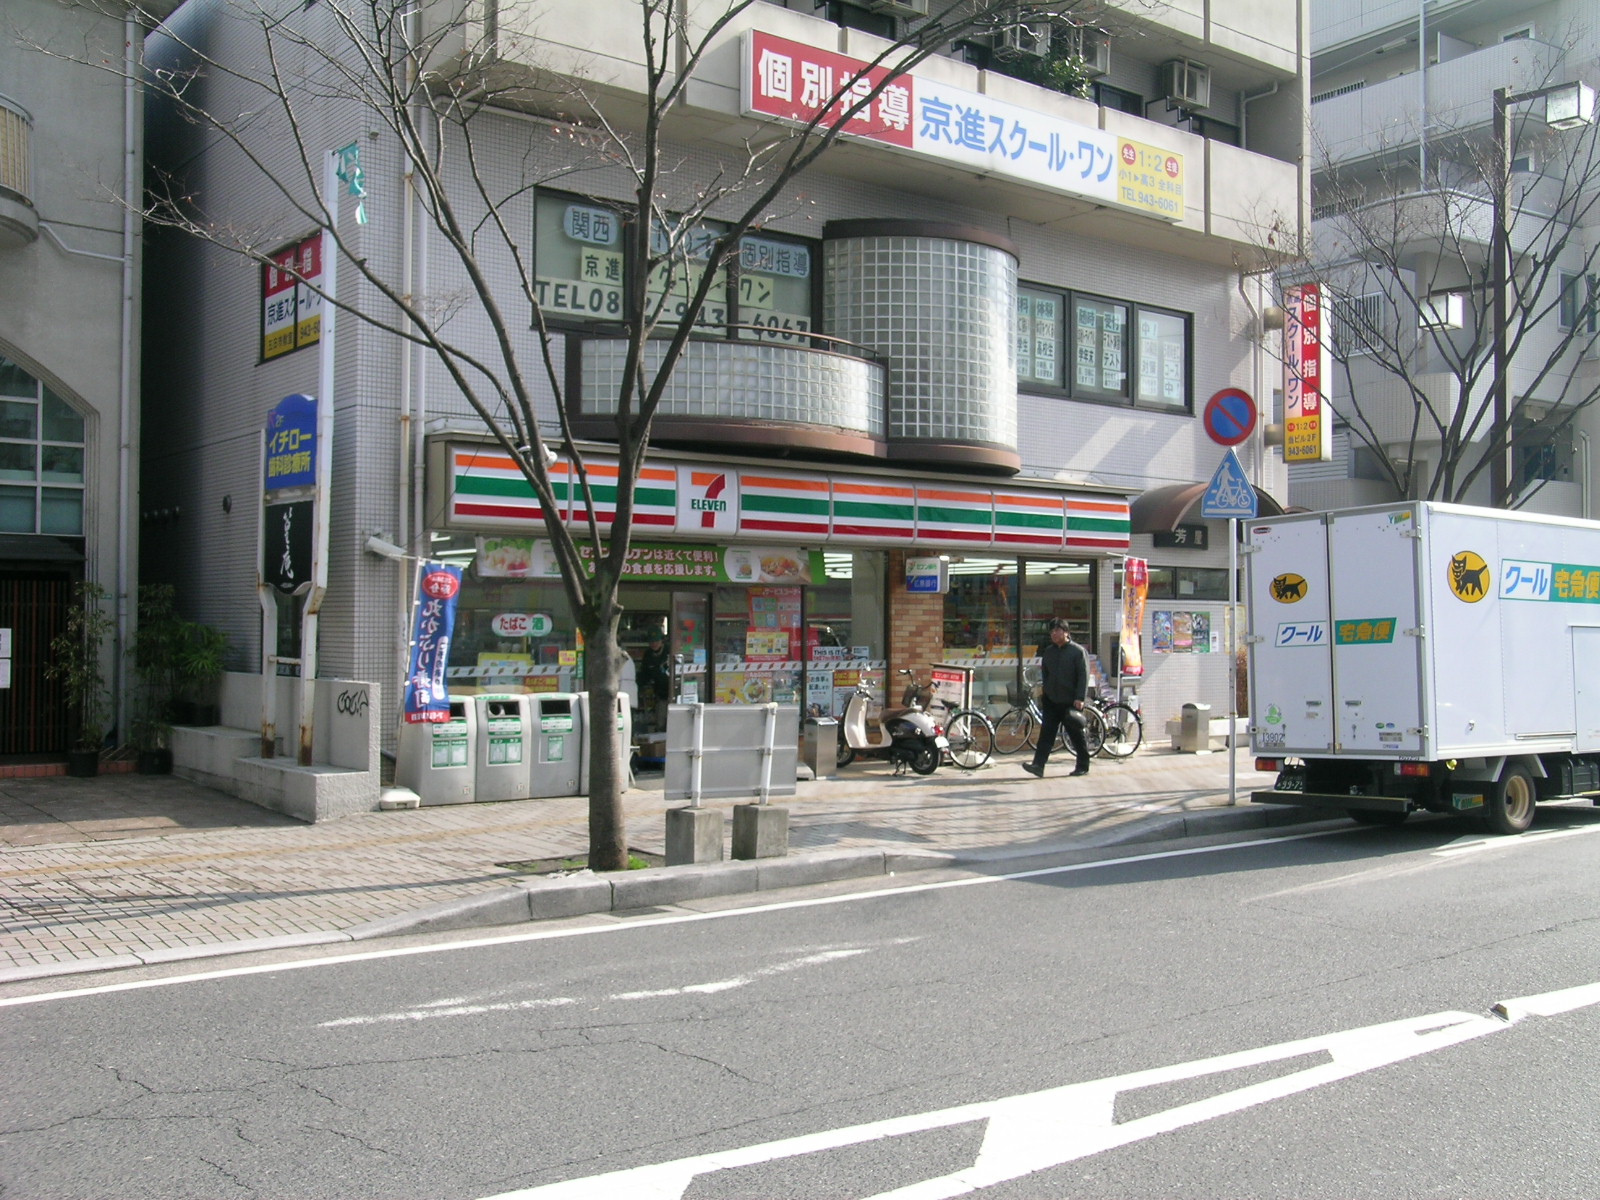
{"points": [[1066, 683]]}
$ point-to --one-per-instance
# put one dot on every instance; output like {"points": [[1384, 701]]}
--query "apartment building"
{"points": [[71, 261], [974, 347], [1406, 163]]}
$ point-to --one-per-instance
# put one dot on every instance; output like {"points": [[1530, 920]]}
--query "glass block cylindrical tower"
{"points": [[939, 302]]}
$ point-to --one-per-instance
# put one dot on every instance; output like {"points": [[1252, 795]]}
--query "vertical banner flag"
{"points": [[427, 692], [1307, 423], [1135, 587]]}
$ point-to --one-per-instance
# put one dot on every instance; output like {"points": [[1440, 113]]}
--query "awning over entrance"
{"points": [[1160, 509]]}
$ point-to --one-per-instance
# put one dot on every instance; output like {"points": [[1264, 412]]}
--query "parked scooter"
{"points": [[906, 736]]}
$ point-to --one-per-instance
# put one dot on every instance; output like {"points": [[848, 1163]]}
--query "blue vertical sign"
{"points": [[292, 443], [427, 691]]}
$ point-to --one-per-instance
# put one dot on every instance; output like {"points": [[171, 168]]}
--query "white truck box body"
{"points": [[1423, 631]]}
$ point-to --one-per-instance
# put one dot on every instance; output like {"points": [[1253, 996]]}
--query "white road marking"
{"points": [[1517, 841], [1040, 1130], [462, 1006], [546, 934], [429, 1012], [739, 981]]}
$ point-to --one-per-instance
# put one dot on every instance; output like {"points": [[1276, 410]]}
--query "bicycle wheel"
{"points": [[1094, 729], [1124, 731], [971, 739], [1011, 731]]}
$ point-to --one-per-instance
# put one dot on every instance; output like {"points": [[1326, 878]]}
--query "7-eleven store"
{"points": [[777, 584]]}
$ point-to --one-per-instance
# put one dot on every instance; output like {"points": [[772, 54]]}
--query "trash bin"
{"points": [[434, 758], [556, 733], [624, 740], [1194, 732], [820, 746], [502, 743]]}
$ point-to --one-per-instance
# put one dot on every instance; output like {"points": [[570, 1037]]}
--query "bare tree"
{"points": [[435, 79], [1410, 269]]}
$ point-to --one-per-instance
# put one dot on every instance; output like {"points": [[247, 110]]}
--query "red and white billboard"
{"points": [[1308, 422]]}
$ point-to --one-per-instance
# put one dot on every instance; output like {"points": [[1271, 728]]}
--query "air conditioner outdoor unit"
{"points": [[1187, 84], [1024, 39], [1093, 46], [899, 8]]}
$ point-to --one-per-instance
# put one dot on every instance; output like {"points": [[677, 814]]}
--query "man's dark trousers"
{"points": [[1055, 716]]}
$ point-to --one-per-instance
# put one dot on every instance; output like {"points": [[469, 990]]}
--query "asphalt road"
{"points": [[1294, 1016]]}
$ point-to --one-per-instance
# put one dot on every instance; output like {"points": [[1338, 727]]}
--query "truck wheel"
{"points": [[1369, 816], [1510, 806]]}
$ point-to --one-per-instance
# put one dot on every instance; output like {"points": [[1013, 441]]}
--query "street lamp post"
{"points": [[1567, 106]]}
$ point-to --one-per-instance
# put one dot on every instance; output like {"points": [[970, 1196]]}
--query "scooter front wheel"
{"points": [[844, 753], [925, 761]]}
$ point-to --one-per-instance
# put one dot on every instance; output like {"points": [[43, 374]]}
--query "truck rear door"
{"points": [[1377, 669], [1291, 690]]}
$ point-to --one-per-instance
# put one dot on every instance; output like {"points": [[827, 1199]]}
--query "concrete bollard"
{"points": [[694, 835], [760, 831]]}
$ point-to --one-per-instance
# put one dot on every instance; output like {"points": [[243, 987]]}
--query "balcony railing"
{"points": [[1383, 117], [19, 224], [814, 391], [16, 136]]}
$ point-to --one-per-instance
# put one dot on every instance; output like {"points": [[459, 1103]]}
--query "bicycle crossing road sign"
{"points": [[1229, 493]]}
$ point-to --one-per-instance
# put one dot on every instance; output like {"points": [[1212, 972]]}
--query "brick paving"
{"points": [[93, 871]]}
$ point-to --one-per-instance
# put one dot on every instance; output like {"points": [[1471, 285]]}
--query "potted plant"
{"points": [[173, 657], [75, 664]]}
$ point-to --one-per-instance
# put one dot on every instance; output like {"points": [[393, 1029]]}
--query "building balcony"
{"points": [[737, 392], [1382, 119], [19, 223]]}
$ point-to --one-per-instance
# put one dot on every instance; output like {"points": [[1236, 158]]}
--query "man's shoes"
{"points": [[1081, 771], [1036, 772]]}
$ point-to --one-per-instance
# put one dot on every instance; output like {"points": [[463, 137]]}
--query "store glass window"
{"points": [[775, 288], [1099, 348], [513, 632], [578, 258], [42, 471], [682, 255], [1039, 336], [1163, 359], [1056, 589], [1102, 349], [980, 626]]}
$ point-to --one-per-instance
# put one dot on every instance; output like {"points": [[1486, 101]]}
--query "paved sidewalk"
{"points": [[128, 869]]}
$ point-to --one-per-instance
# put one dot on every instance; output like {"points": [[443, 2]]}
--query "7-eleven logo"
{"points": [[707, 502]]}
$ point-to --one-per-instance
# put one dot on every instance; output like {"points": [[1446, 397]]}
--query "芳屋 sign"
{"points": [[291, 310], [795, 82], [1308, 426]]}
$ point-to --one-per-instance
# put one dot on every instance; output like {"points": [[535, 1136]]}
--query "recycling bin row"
{"points": [[503, 747]]}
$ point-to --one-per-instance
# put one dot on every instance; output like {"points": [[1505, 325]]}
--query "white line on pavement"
{"points": [[1034, 1132]]}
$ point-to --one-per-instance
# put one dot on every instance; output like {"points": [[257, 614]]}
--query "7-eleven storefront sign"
{"points": [[486, 491]]}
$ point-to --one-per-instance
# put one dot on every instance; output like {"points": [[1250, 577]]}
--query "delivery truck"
{"points": [[1425, 656]]}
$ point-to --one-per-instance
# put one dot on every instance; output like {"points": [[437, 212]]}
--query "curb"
{"points": [[547, 898]]}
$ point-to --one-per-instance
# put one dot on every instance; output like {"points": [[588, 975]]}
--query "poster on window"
{"points": [[1181, 633], [773, 629]]}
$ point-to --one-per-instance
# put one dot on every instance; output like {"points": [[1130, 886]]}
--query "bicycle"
{"points": [[1121, 727], [1113, 729], [969, 732]]}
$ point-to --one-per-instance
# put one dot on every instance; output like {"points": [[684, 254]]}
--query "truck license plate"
{"points": [[1287, 783]]}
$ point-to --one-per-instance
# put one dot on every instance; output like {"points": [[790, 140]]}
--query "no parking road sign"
{"points": [[1230, 416]]}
